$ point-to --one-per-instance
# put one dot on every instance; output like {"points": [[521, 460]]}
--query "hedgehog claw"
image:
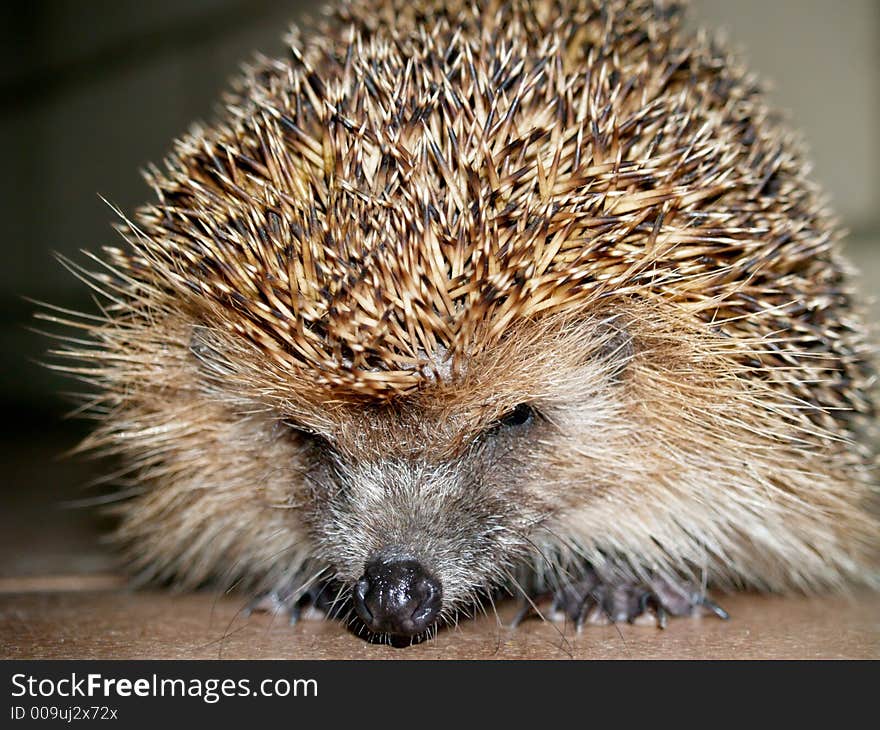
{"points": [[662, 616], [525, 610], [715, 608], [320, 597], [593, 600], [577, 600], [264, 603]]}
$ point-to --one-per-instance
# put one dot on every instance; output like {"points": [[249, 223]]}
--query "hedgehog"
{"points": [[462, 300]]}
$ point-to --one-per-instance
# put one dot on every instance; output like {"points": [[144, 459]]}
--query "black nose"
{"points": [[397, 597]]}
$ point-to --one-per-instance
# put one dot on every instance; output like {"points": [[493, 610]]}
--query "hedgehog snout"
{"points": [[398, 597]]}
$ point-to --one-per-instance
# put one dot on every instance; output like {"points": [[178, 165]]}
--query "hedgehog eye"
{"points": [[515, 419], [519, 416]]}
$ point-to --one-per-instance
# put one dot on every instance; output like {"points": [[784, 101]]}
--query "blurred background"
{"points": [[93, 90]]}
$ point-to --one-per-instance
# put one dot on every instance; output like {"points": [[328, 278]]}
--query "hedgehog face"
{"points": [[423, 504], [416, 506]]}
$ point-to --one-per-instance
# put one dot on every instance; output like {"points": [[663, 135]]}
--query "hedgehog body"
{"points": [[466, 296]]}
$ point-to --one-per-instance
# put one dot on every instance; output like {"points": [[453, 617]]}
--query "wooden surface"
{"points": [[42, 618]]}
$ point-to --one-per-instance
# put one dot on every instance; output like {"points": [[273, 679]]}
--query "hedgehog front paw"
{"points": [[597, 601], [321, 598]]}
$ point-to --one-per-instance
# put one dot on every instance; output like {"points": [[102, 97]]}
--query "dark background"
{"points": [[93, 90]]}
